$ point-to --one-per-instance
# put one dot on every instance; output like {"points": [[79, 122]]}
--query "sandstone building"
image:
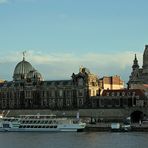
{"points": [[110, 83]]}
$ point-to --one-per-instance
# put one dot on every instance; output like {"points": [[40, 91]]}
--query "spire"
{"points": [[135, 63], [24, 54]]}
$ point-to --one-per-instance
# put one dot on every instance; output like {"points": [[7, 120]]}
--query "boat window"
{"points": [[38, 121], [6, 126], [50, 122], [46, 122]]}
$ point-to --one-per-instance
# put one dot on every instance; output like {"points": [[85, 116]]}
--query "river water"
{"points": [[73, 140]]}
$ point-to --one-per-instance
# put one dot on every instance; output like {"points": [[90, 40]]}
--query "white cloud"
{"points": [[13, 1], [62, 65], [3, 1]]}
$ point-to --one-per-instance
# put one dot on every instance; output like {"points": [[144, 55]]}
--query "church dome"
{"points": [[21, 70], [34, 75]]}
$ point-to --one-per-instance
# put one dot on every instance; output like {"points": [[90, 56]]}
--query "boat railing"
{"points": [[37, 116]]}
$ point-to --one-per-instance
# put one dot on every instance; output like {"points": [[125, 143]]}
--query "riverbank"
{"points": [[106, 127], [102, 121]]}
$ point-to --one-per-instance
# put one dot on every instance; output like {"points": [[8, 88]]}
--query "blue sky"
{"points": [[61, 35]]}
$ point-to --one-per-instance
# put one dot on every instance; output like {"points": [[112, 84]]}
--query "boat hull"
{"points": [[59, 128], [39, 130]]}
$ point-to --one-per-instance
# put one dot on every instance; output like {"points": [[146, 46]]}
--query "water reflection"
{"points": [[74, 140]]}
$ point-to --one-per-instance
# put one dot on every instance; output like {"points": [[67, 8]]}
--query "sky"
{"points": [[62, 35]]}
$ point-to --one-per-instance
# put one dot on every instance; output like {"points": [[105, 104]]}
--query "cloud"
{"points": [[62, 65], [3, 1], [13, 1]]}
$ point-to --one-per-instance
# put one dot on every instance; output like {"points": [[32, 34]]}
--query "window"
{"points": [[80, 102], [94, 92], [123, 93], [28, 94], [80, 82], [53, 93], [68, 93], [107, 94], [133, 94], [113, 93], [118, 94], [80, 93], [60, 93]]}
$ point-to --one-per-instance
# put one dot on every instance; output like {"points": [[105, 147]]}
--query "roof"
{"points": [[59, 82], [145, 85], [126, 92]]}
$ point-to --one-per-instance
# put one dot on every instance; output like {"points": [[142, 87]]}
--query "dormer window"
{"points": [[123, 93], [113, 93], [133, 94], [118, 93], [80, 82], [107, 94]]}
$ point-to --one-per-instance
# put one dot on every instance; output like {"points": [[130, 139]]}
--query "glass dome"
{"points": [[21, 70]]}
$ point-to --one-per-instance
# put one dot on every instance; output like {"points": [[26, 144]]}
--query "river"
{"points": [[73, 140]]}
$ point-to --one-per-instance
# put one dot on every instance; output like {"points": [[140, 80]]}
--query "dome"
{"points": [[21, 70], [34, 75]]}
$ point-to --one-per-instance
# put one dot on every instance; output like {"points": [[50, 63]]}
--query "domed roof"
{"points": [[35, 75], [21, 70]]}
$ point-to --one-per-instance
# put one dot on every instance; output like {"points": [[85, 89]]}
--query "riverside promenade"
{"points": [[106, 127], [85, 115]]}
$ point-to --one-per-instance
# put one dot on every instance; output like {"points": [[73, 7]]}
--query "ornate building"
{"points": [[29, 90], [139, 76]]}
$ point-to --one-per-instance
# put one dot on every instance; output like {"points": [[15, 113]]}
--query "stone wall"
{"points": [[103, 114]]}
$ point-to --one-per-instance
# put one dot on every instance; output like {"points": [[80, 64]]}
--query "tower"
{"points": [[139, 76], [145, 60], [135, 63]]}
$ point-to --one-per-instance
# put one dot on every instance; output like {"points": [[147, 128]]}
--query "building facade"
{"points": [[110, 83], [115, 96], [28, 90], [122, 98]]}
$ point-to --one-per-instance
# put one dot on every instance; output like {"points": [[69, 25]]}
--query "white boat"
{"points": [[31, 123]]}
